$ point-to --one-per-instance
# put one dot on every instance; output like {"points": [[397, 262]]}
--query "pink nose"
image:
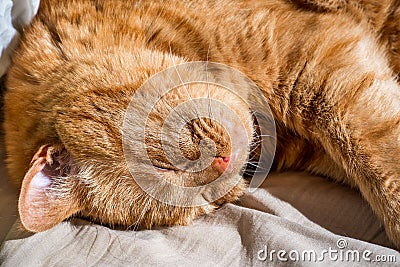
{"points": [[221, 163]]}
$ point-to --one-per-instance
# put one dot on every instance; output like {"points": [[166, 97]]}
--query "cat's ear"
{"points": [[44, 199]]}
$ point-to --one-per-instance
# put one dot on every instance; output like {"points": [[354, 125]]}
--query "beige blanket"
{"points": [[294, 219]]}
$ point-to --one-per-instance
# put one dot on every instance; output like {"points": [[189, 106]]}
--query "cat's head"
{"points": [[122, 164]]}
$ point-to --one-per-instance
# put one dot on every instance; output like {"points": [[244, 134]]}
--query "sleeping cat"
{"points": [[326, 77]]}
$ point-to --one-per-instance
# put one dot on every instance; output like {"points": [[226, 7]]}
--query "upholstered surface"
{"points": [[291, 212]]}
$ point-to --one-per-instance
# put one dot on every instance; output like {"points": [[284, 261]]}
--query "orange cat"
{"points": [[326, 77]]}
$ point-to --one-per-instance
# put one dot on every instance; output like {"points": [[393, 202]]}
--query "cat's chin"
{"points": [[236, 191], [231, 196], [195, 212], [159, 214]]}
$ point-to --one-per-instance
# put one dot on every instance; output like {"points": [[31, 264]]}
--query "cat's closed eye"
{"points": [[162, 169]]}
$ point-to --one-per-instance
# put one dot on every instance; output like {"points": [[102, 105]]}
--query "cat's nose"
{"points": [[221, 163]]}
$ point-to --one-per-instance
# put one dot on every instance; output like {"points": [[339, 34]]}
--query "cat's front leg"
{"points": [[363, 135], [355, 116]]}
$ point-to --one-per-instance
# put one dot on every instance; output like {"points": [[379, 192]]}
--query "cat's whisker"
{"points": [[141, 216], [256, 144], [249, 171], [254, 158], [253, 150], [266, 135], [257, 141], [180, 115], [185, 120], [183, 83], [210, 113], [146, 207], [166, 102], [255, 165]]}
